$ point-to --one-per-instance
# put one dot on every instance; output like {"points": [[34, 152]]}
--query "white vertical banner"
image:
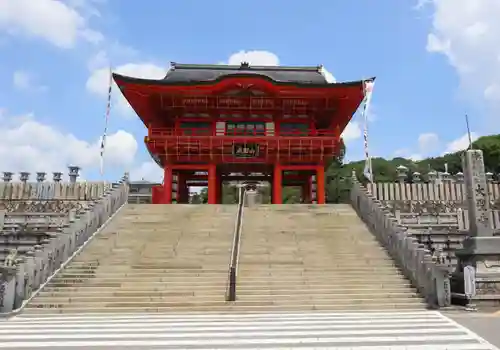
{"points": [[106, 118], [368, 90]]}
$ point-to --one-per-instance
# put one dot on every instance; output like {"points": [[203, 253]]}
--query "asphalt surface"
{"points": [[486, 325]]}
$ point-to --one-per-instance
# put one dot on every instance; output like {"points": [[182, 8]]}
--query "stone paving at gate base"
{"points": [[417, 330]]}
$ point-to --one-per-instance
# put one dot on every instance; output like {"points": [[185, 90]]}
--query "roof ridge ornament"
{"points": [[245, 65]]}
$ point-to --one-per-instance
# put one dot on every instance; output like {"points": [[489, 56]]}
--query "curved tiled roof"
{"points": [[186, 73]]}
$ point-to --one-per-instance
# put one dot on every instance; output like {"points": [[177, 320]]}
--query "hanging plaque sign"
{"points": [[246, 150]]}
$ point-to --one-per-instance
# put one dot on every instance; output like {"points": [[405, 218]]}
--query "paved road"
{"points": [[425, 330], [487, 325]]}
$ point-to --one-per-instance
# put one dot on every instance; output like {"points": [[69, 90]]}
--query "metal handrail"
{"points": [[233, 264]]}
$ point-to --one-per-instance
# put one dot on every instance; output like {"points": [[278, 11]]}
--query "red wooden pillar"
{"points": [[320, 184], [277, 184], [307, 189], [219, 188], [212, 184], [167, 185], [181, 188]]}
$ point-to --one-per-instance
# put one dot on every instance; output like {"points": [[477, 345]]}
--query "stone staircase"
{"points": [[150, 258], [301, 257]]}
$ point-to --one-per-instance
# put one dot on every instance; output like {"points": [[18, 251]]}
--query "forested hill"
{"points": [[385, 170]]}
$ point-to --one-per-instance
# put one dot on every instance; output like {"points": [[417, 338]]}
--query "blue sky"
{"points": [[435, 61]]}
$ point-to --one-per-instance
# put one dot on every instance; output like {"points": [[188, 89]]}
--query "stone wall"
{"points": [[38, 236]]}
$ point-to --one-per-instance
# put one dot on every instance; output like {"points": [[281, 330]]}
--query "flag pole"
{"points": [[468, 131], [367, 90], [106, 118]]}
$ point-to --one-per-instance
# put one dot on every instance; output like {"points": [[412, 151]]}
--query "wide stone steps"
{"points": [[290, 250], [150, 257], [307, 331]]}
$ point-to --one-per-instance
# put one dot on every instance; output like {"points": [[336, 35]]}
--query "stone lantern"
{"points": [[402, 173], [416, 177], [7, 176], [460, 177], [432, 176], [489, 176], [24, 176], [57, 176], [73, 173], [40, 176]]}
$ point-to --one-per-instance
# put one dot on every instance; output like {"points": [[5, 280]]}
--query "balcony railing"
{"points": [[249, 103], [155, 133]]}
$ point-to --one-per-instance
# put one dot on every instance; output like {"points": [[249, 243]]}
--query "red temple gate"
{"points": [[213, 123]]}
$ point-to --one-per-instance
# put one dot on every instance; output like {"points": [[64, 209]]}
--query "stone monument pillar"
{"points": [[481, 249]]}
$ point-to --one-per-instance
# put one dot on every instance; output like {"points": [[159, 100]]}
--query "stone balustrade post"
{"points": [[30, 272], [7, 288], [19, 288]]}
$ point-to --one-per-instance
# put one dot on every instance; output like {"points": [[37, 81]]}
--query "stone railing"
{"points": [[22, 278], [52, 190], [445, 191], [430, 278]]}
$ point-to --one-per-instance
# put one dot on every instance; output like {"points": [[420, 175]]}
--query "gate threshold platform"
{"points": [[410, 330]]}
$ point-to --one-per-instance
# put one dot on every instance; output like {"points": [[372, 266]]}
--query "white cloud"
{"points": [[266, 58], [352, 131], [461, 143], [21, 80], [428, 143], [149, 171], [98, 82], [24, 80], [115, 51], [28, 145], [52, 20], [467, 32], [415, 157], [254, 57]]}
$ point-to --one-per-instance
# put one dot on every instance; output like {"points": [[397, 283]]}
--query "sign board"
{"points": [[246, 150], [469, 281]]}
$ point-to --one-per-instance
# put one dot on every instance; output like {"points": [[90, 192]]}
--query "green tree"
{"points": [[204, 195]]}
